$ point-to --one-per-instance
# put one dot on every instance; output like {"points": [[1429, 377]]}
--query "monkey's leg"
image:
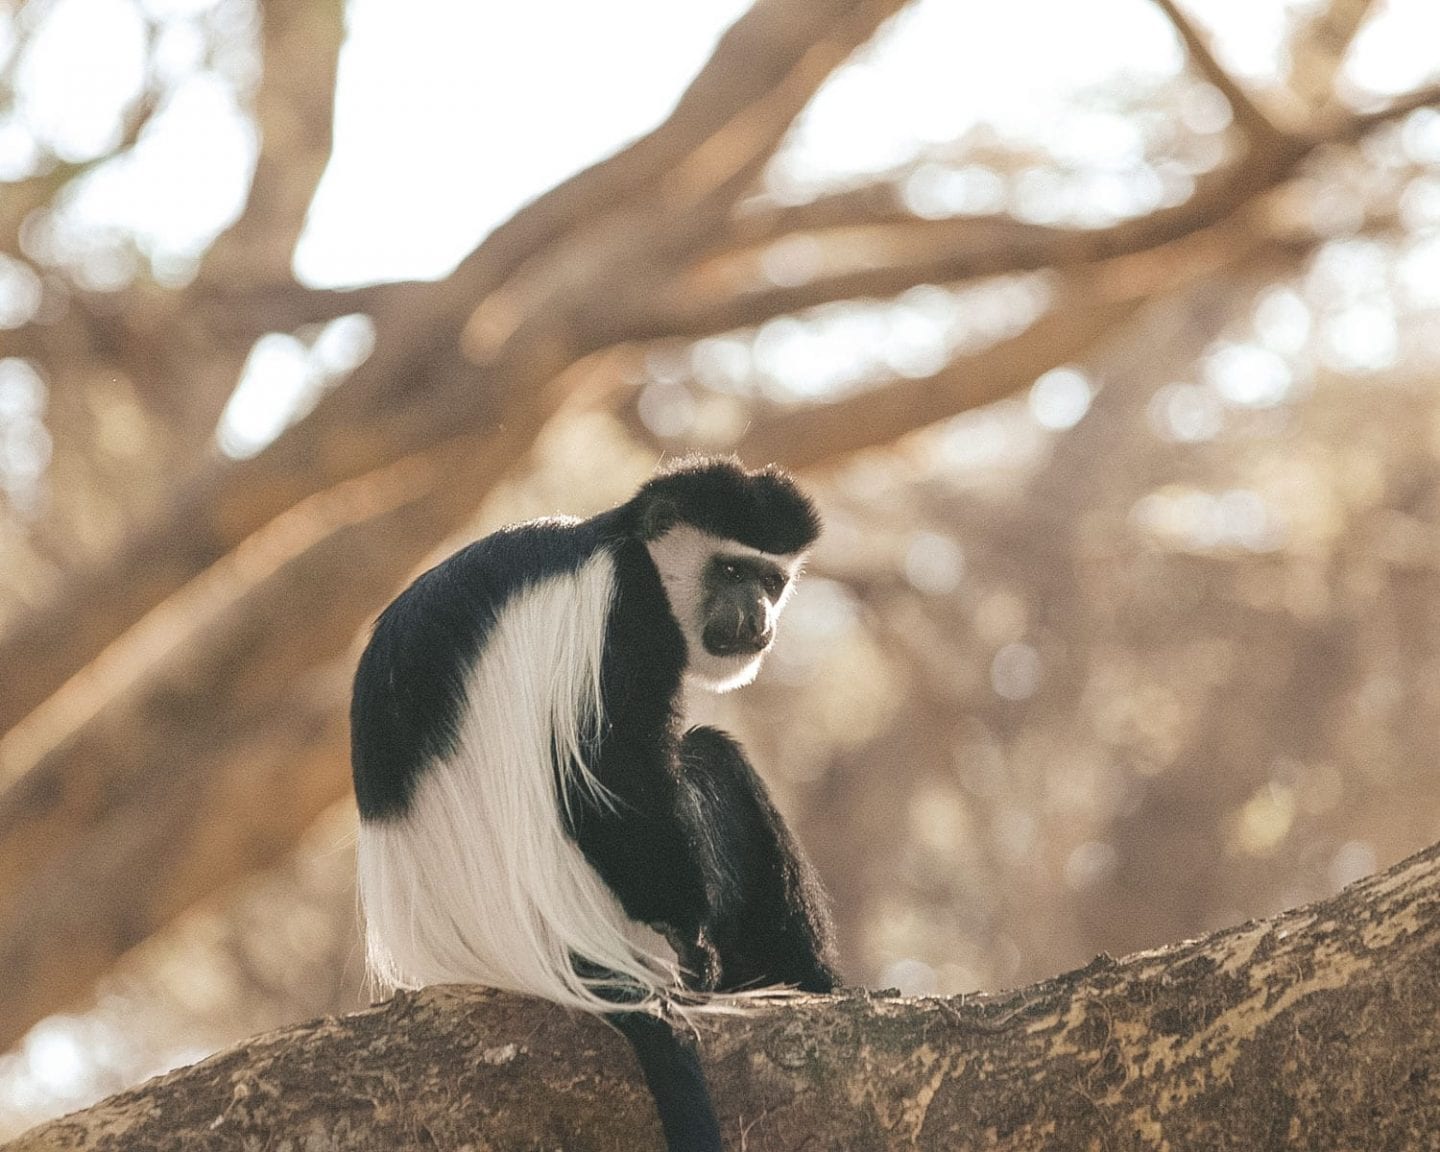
{"points": [[642, 841], [769, 922]]}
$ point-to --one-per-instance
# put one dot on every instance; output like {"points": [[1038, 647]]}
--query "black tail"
{"points": [[672, 1070]]}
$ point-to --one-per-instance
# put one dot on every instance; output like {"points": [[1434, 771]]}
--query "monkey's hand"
{"points": [[699, 961]]}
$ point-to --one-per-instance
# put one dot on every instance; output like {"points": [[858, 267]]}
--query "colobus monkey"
{"points": [[533, 816]]}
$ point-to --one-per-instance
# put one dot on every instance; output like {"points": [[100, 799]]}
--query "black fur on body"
{"points": [[684, 834]]}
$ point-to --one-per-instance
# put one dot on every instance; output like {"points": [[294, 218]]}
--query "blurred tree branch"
{"points": [[944, 251], [1261, 133], [1316, 1026], [897, 250], [808, 436], [1347, 127], [419, 384], [1317, 54], [294, 113]]}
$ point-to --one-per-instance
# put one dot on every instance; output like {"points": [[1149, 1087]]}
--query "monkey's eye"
{"points": [[774, 584], [732, 571]]}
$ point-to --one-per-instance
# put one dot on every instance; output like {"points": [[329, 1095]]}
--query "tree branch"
{"points": [[886, 258], [1315, 1028], [181, 364], [1249, 116], [417, 386], [294, 118], [1088, 307], [886, 249], [1318, 49], [1347, 126], [815, 434]]}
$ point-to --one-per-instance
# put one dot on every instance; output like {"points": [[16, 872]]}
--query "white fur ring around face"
{"points": [[680, 556]]}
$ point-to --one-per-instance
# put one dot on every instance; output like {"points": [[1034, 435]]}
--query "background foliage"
{"points": [[1118, 397]]}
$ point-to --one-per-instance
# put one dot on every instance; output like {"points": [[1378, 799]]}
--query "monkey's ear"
{"points": [[660, 515]]}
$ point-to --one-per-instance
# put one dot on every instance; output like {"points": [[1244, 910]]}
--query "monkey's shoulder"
{"points": [[475, 582], [410, 684], [498, 565]]}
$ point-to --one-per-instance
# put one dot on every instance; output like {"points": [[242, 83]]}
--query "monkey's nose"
{"points": [[757, 631]]}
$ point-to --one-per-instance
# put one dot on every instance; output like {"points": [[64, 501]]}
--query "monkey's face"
{"points": [[727, 600], [741, 604]]}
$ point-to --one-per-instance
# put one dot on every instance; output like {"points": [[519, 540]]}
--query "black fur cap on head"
{"points": [[763, 508]]}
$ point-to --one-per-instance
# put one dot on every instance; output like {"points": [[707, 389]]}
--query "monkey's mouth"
{"points": [[719, 643]]}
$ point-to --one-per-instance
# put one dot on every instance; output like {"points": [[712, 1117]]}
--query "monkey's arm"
{"points": [[768, 920], [641, 842], [638, 842]]}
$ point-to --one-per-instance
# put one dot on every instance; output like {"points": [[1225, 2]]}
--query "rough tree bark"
{"points": [[1315, 1029]]}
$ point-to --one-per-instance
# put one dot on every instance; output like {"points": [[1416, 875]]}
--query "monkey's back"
{"points": [[478, 694]]}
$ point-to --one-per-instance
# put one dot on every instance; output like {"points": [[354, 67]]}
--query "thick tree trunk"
{"points": [[1316, 1029]]}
